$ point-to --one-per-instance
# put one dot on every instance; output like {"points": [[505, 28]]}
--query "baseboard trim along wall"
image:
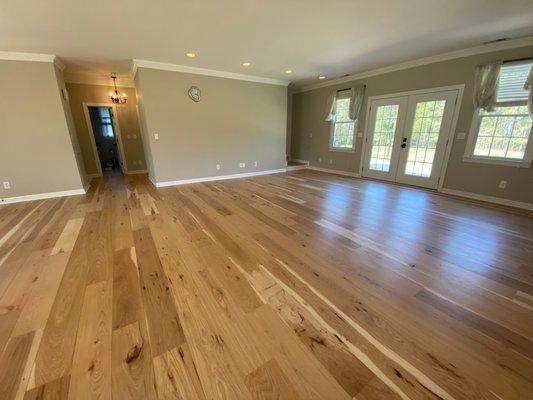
{"points": [[488, 199], [41, 196], [217, 178], [458, 193], [139, 171], [334, 171]]}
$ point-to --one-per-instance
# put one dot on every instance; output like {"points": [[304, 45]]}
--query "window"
{"points": [[342, 128], [503, 136]]}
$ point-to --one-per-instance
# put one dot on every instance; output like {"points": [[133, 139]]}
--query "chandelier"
{"points": [[115, 96]]}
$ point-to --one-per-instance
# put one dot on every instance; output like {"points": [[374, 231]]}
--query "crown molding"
{"points": [[99, 80], [487, 48], [18, 56], [205, 71], [133, 69], [59, 64]]}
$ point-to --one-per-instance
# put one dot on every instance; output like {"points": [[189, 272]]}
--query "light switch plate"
{"points": [[156, 136], [7, 185]]}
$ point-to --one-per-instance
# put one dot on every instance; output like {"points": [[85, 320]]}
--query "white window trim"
{"points": [[340, 95], [471, 142]]}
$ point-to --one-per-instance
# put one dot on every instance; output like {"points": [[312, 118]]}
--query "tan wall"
{"points": [[127, 119], [308, 110], [236, 121], [36, 154]]}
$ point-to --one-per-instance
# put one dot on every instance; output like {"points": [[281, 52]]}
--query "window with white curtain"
{"points": [[503, 136], [342, 127]]}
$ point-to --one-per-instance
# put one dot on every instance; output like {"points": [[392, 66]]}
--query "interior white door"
{"points": [[427, 125], [387, 117], [406, 138]]}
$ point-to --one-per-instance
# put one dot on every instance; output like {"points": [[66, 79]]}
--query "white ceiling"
{"points": [[310, 37]]}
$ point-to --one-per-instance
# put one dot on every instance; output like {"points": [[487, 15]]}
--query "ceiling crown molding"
{"points": [[97, 79], [204, 71], [18, 56], [487, 48], [59, 64]]}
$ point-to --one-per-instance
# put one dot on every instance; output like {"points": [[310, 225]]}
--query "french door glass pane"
{"points": [[384, 130], [424, 138]]}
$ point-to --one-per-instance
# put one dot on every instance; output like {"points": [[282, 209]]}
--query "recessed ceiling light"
{"points": [[288, 71], [321, 77], [190, 55], [246, 64]]}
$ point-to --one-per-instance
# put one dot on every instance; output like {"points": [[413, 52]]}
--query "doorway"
{"points": [[105, 137], [407, 137]]}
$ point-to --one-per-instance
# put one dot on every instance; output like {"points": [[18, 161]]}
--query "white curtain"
{"points": [[331, 106], [529, 87], [486, 85], [356, 96], [356, 101]]}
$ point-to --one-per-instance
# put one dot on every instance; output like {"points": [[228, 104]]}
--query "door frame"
{"points": [[450, 135], [116, 130]]}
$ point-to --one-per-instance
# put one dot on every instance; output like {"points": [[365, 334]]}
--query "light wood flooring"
{"points": [[289, 286]]}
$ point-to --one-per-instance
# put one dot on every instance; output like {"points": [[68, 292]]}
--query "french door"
{"points": [[406, 138]]}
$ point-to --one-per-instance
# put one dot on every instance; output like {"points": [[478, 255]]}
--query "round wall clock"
{"points": [[195, 94]]}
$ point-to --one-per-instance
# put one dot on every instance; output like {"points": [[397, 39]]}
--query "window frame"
{"points": [[343, 94], [474, 132]]}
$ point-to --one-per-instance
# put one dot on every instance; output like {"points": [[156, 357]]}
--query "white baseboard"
{"points": [[139, 171], [218, 178], [40, 196], [489, 199], [306, 162], [296, 167], [334, 171]]}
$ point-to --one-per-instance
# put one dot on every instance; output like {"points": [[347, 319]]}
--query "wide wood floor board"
{"points": [[300, 285]]}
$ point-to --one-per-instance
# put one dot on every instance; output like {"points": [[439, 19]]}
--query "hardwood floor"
{"points": [[290, 286]]}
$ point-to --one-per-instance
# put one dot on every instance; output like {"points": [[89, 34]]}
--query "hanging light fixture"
{"points": [[115, 96]]}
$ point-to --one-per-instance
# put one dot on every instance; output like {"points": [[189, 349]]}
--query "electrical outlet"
{"points": [[7, 185], [502, 185], [255, 163], [242, 165], [156, 136], [330, 161], [319, 159], [310, 135], [218, 167], [460, 135]]}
